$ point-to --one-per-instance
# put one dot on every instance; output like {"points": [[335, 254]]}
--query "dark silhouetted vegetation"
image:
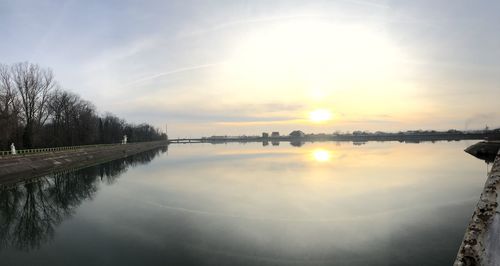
{"points": [[36, 112]]}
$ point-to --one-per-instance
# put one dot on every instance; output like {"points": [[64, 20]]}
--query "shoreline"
{"points": [[481, 241], [409, 138], [16, 168]]}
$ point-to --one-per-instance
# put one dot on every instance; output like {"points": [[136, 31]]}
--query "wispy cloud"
{"points": [[263, 122], [172, 72], [377, 4], [241, 22]]}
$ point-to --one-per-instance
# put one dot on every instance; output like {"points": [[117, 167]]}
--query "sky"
{"points": [[245, 67]]}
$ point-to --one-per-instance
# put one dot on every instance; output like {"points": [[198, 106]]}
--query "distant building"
{"points": [[275, 134], [297, 134], [265, 135]]}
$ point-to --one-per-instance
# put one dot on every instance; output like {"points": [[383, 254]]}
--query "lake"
{"points": [[323, 203]]}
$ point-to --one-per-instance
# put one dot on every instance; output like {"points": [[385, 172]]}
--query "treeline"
{"points": [[36, 112]]}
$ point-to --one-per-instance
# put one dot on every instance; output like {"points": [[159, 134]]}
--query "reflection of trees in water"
{"points": [[30, 212], [297, 143]]}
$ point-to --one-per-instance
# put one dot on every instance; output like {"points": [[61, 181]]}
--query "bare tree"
{"points": [[7, 92], [60, 105], [8, 107], [34, 85], [34, 111], [72, 120]]}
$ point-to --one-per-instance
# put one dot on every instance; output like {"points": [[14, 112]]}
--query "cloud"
{"points": [[171, 72], [245, 113], [263, 122], [237, 23]]}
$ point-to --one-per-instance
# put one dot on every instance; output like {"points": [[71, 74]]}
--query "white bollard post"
{"points": [[124, 141], [13, 149]]}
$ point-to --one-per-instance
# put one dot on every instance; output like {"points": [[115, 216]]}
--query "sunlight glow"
{"points": [[320, 115], [321, 155], [302, 65]]}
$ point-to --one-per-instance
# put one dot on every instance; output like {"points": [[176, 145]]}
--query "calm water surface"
{"points": [[382, 203]]}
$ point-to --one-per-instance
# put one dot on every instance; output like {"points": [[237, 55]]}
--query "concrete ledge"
{"points": [[481, 242], [15, 168]]}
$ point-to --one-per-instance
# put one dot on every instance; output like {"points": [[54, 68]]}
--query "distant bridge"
{"points": [[219, 140], [185, 140]]}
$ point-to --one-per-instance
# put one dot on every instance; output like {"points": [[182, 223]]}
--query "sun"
{"points": [[320, 115]]}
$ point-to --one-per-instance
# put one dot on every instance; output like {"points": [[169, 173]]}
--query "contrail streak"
{"points": [[171, 72]]}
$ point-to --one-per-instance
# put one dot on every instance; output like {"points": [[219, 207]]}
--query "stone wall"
{"points": [[481, 242], [15, 168]]}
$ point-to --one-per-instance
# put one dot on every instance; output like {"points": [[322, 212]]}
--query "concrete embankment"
{"points": [[15, 168], [481, 243]]}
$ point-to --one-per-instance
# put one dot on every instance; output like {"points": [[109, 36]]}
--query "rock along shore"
{"points": [[481, 243]]}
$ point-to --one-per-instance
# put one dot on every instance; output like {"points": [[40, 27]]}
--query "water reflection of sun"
{"points": [[321, 155]]}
